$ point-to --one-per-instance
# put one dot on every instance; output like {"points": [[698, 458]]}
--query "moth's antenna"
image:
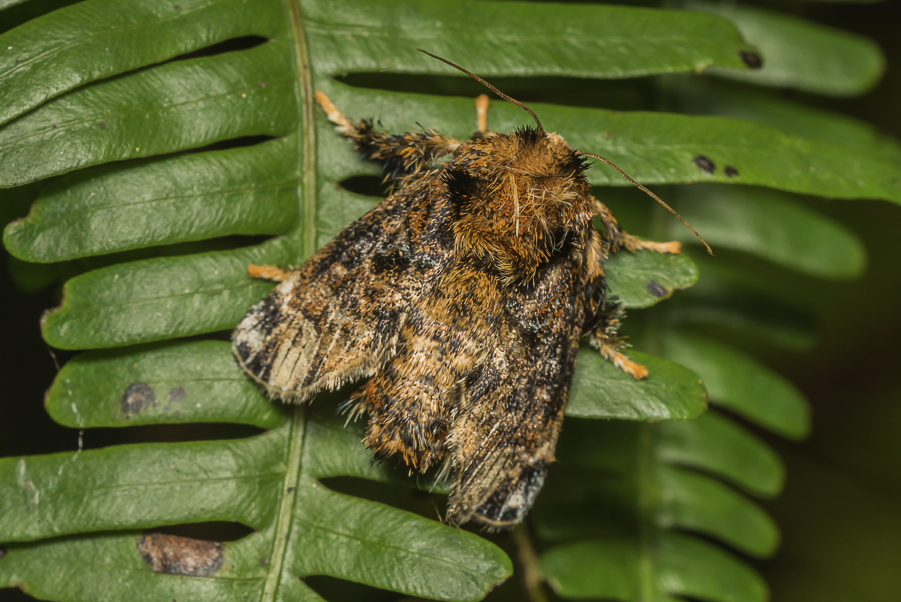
{"points": [[487, 85], [649, 193]]}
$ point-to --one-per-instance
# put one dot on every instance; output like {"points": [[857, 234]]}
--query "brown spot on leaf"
{"points": [[704, 163], [751, 59], [656, 290], [137, 397], [2, 553], [176, 555], [730, 171], [176, 394], [102, 126]]}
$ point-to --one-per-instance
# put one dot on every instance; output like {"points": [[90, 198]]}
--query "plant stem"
{"points": [[527, 560]]}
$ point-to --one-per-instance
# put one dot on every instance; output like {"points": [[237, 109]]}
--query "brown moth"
{"points": [[462, 298]]}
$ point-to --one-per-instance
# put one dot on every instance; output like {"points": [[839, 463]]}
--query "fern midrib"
{"points": [[306, 232]]}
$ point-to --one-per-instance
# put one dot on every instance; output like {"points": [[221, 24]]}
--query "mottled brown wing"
{"points": [[506, 432], [337, 317], [413, 399]]}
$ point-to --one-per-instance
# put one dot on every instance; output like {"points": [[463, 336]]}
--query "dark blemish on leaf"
{"points": [[290, 490], [608, 134], [730, 171], [176, 394], [9, 104], [264, 561], [656, 290], [102, 126], [704, 163], [137, 397], [176, 555], [751, 59], [176, 6], [262, 84], [2, 553]]}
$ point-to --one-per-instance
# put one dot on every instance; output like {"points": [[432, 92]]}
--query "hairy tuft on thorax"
{"points": [[521, 198]]}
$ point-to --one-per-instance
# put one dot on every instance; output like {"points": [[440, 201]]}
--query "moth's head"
{"points": [[557, 144]]}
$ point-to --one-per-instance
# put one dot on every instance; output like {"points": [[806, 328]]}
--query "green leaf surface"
{"points": [[176, 106], [696, 569], [643, 278], [248, 190], [389, 549], [158, 384], [685, 570], [712, 97], [698, 503], [726, 299], [654, 148], [770, 225], [737, 382], [717, 445], [94, 40], [593, 570], [803, 55], [244, 480], [568, 40], [604, 41], [7, 3], [142, 486], [601, 390], [109, 567], [160, 298], [608, 484]]}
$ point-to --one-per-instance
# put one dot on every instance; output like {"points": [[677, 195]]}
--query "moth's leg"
{"points": [[268, 272], [482, 103], [618, 239], [605, 338], [401, 155]]}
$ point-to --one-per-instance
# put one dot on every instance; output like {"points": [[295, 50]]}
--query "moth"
{"points": [[461, 298]]}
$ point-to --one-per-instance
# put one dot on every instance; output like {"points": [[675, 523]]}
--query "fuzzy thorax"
{"points": [[522, 198]]}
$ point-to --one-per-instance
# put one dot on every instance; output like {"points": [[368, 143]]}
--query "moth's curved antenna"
{"points": [[649, 193], [541, 129], [487, 85]]}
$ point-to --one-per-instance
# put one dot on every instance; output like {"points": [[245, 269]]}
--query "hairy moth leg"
{"points": [[605, 314], [268, 272], [605, 338], [620, 239], [482, 103], [401, 155]]}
